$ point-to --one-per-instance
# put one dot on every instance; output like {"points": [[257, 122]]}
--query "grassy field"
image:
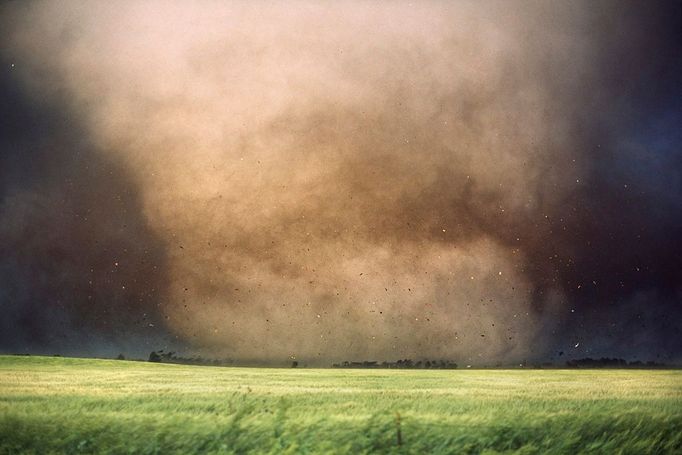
{"points": [[58, 405]]}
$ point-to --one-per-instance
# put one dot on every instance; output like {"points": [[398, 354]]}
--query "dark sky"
{"points": [[479, 181]]}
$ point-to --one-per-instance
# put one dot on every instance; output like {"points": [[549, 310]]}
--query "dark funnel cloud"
{"points": [[487, 182]]}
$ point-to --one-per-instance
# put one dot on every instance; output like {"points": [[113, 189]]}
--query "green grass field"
{"points": [[59, 405]]}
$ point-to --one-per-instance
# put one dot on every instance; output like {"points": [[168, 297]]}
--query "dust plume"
{"points": [[484, 181]]}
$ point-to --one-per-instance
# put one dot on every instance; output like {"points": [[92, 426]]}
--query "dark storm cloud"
{"points": [[81, 272], [623, 237], [489, 182]]}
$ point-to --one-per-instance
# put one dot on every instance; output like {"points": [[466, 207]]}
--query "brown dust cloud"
{"points": [[488, 182]]}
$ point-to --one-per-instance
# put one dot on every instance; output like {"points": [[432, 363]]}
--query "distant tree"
{"points": [[120, 357], [294, 364], [154, 357], [167, 356]]}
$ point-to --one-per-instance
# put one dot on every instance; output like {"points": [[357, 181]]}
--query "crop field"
{"points": [[60, 405]]}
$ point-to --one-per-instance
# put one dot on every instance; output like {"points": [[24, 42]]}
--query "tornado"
{"points": [[489, 182]]}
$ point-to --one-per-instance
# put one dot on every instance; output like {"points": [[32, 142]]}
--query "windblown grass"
{"points": [[59, 405]]}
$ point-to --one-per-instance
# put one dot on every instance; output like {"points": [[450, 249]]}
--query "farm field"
{"points": [[62, 405]]}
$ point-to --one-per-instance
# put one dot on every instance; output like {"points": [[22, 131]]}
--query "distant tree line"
{"points": [[606, 362], [162, 356], [406, 364], [170, 357]]}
